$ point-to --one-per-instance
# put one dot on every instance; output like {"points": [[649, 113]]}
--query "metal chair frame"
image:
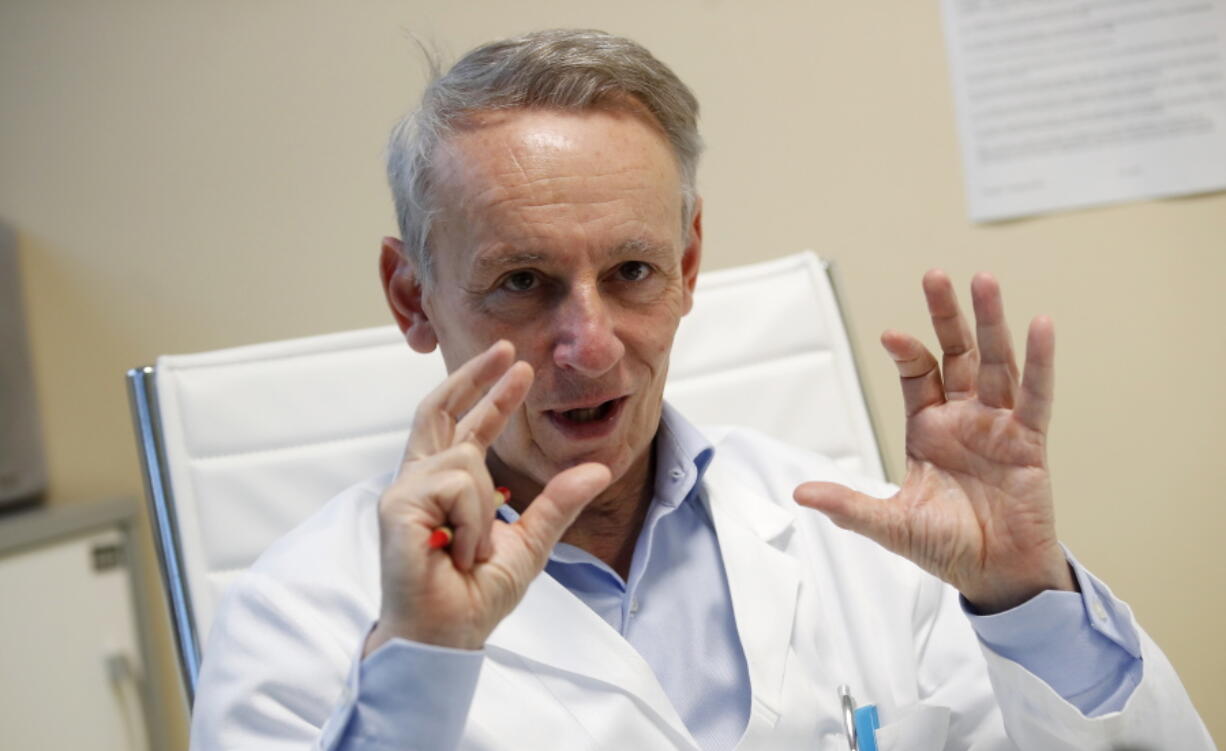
{"points": [[143, 397]]}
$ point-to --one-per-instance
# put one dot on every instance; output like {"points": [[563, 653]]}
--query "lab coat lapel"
{"points": [[553, 628], [764, 584]]}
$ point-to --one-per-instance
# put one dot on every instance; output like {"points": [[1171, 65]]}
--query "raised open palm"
{"points": [[975, 507]]}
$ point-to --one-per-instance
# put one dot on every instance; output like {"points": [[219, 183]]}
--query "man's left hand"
{"points": [[975, 507]]}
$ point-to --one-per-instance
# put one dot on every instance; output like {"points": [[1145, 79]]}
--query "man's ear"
{"points": [[403, 288], [691, 257]]}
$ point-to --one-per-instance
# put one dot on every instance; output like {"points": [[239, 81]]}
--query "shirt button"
{"points": [[1099, 611], [676, 474], [634, 606]]}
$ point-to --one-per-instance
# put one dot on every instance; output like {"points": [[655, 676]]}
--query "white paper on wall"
{"points": [[1070, 103]]}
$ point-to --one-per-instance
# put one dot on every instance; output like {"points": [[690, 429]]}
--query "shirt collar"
{"points": [[682, 456]]}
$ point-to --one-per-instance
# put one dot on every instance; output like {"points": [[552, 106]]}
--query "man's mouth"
{"points": [[590, 414], [588, 421]]}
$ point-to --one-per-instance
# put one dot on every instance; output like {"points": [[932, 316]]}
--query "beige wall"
{"points": [[192, 175]]}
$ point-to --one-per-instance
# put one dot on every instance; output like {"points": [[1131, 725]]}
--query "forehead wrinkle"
{"points": [[542, 187], [512, 188], [519, 167]]}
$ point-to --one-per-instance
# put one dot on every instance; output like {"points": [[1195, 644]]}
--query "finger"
{"points": [[463, 506], [997, 384], [860, 513], [960, 357], [470, 459], [436, 415], [485, 422], [1038, 380], [917, 371], [553, 511]]}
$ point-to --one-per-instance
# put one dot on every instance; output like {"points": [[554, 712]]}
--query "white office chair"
{"points": [[240, 445]]}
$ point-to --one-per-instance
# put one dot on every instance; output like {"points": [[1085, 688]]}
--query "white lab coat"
{"points": [[815, 607]]}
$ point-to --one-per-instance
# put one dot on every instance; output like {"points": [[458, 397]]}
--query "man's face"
{"points": [[562, 233]]}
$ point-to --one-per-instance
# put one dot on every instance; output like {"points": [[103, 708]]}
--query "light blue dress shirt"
{"points": [[675, 609]]}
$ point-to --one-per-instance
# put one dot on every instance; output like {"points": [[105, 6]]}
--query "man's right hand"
{"points": [[454, 597]]}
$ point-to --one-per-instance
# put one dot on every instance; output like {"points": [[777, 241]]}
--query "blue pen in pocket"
{"points": [[860, 723], [866, 728]]}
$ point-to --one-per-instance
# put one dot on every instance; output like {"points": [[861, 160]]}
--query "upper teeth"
{"points": [[583, 413]]}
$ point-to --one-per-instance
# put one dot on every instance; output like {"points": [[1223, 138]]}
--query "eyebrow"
{"points": [[639, 246]]}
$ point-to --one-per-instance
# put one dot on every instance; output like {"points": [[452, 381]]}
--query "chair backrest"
{"points": [[240, 445]]}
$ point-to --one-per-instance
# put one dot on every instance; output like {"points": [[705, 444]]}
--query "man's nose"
{"points": [[586, 334]]}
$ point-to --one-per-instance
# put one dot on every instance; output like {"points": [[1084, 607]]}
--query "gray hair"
{"points": [[561, 69]]}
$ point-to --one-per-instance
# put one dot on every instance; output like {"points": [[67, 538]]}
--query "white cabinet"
{"points": [[72, 665]]}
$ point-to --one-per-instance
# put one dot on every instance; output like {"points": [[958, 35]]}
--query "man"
{"points": [[551, 241]]}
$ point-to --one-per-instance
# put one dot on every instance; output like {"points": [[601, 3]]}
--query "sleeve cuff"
{"points": [[407, 695], [1084, 645]]}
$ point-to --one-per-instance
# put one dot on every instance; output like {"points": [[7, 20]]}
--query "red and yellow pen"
{"points": [[442, 536]]}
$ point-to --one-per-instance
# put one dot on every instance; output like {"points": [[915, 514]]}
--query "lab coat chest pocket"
{"points": [[920, 727]]}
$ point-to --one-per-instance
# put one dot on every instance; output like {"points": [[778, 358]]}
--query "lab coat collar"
{"points": [[764, 583]]}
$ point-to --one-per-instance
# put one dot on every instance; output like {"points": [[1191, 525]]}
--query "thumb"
{"points": [[556, 508], [860, 513]]}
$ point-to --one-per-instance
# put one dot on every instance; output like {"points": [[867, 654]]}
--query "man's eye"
{"points": [[633, 271], [521, 281]]}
